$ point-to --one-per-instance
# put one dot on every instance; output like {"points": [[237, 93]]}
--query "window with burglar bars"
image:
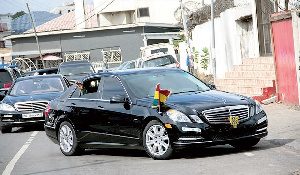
{"points": [[112, 56], [77, 56]]}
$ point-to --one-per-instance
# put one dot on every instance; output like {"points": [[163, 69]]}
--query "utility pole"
{"points": [[186, 34], [213, 54], [36, 38]]}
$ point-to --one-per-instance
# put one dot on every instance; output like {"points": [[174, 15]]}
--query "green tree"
{"points": [[195, 54], [176, 42], [18, 14], [204, 58]]}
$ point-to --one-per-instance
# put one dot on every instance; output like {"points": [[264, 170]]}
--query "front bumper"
{"points": [[210, 135], [18, 119]]}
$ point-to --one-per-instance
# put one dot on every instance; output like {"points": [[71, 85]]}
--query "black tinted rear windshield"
{"points": [[160, 61], [5, 76]]}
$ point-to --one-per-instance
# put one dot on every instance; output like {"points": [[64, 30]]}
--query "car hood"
{"points": [[200, 101], [38, 97]]}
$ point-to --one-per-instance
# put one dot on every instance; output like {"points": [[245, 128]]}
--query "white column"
{"points": [[80, 14]]}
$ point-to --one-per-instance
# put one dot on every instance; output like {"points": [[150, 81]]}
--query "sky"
{"points": [[13, 6]]}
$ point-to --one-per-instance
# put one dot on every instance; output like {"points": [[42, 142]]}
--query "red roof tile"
{"points": [[67, 22]]}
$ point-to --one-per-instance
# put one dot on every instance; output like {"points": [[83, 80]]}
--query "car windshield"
{"points": [[37, 86], [143, 85], [160, 61], [127, 65], [76, 69]]}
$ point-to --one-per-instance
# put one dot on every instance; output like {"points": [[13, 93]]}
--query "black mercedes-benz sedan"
{"points": [[27, 99], [116, 109]]}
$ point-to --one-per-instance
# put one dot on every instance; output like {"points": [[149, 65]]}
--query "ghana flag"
{"points": [[160, 96]]}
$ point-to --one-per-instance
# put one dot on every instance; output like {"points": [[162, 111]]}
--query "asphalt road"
{"points": [[31, 152]]}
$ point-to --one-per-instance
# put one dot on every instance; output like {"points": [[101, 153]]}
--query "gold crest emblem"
{"points": [[234, 121]]}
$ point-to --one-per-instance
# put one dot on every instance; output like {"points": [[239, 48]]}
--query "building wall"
{"points": [[116, 18], [159, 11], [94, 42], [235, 38], [129, 40]]}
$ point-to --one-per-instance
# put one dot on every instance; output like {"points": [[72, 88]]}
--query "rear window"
{"points": [[5, 76], [79, 69], [161, 61]]}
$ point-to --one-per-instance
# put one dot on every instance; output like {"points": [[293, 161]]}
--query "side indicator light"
{"points": [[167, 125]]}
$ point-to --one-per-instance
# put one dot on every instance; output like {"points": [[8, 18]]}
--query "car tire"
{"points": [[245, 144], [67, 140], [6, 129], [156, 141]]}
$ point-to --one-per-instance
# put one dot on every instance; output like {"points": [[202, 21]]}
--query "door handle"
{"points": [[73, 105], [100, 107]]}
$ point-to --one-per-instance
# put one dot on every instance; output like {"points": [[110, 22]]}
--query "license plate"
{"points": [[32, 115]]}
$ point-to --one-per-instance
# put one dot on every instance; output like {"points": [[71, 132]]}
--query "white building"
{"points": [[67, 7], [242, 31]]}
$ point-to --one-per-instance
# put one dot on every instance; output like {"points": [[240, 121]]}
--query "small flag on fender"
{"points": [[160, 96]]}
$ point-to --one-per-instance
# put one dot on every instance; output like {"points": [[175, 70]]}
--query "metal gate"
{"points": [[286, 71]]}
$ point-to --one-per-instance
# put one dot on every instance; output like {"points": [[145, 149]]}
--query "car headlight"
{"points": [[258, 107], [6, 107], [177, 116], [196, 118]]}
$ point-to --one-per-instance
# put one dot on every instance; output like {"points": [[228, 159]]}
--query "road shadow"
{"points": [[220, 150], [116, 152], [193, 153], [28, 129]]}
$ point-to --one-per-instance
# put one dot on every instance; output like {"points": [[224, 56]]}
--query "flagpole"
{"points": [[159, 99]]}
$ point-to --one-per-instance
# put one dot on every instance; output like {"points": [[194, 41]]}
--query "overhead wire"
{"points": [[16, 4], [68, 22]]}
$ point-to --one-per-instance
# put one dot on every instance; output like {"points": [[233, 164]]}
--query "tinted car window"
{"points": [[112, 87], [143, 85], [69, 92], [91, 87]]}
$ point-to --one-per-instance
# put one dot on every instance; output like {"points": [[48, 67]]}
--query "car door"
{"points": [[116, 117], [84, 110]]}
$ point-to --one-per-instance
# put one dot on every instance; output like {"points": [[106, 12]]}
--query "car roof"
{"points": [[74, 62], [43, 70], [133, 71]]}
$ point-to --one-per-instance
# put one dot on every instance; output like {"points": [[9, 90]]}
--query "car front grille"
{"points": [[31, 106], [232, 134], [221, 115]]}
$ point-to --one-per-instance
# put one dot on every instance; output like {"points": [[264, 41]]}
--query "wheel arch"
{"points": [[60, 120]]}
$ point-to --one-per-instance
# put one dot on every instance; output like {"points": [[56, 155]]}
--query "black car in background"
{"points": [[75, 70], [27, 99], [46, 71], [116, 111]]}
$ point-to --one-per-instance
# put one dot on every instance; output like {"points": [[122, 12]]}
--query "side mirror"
{"points": [[3, 93], [212, 86], [118, 99]]}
